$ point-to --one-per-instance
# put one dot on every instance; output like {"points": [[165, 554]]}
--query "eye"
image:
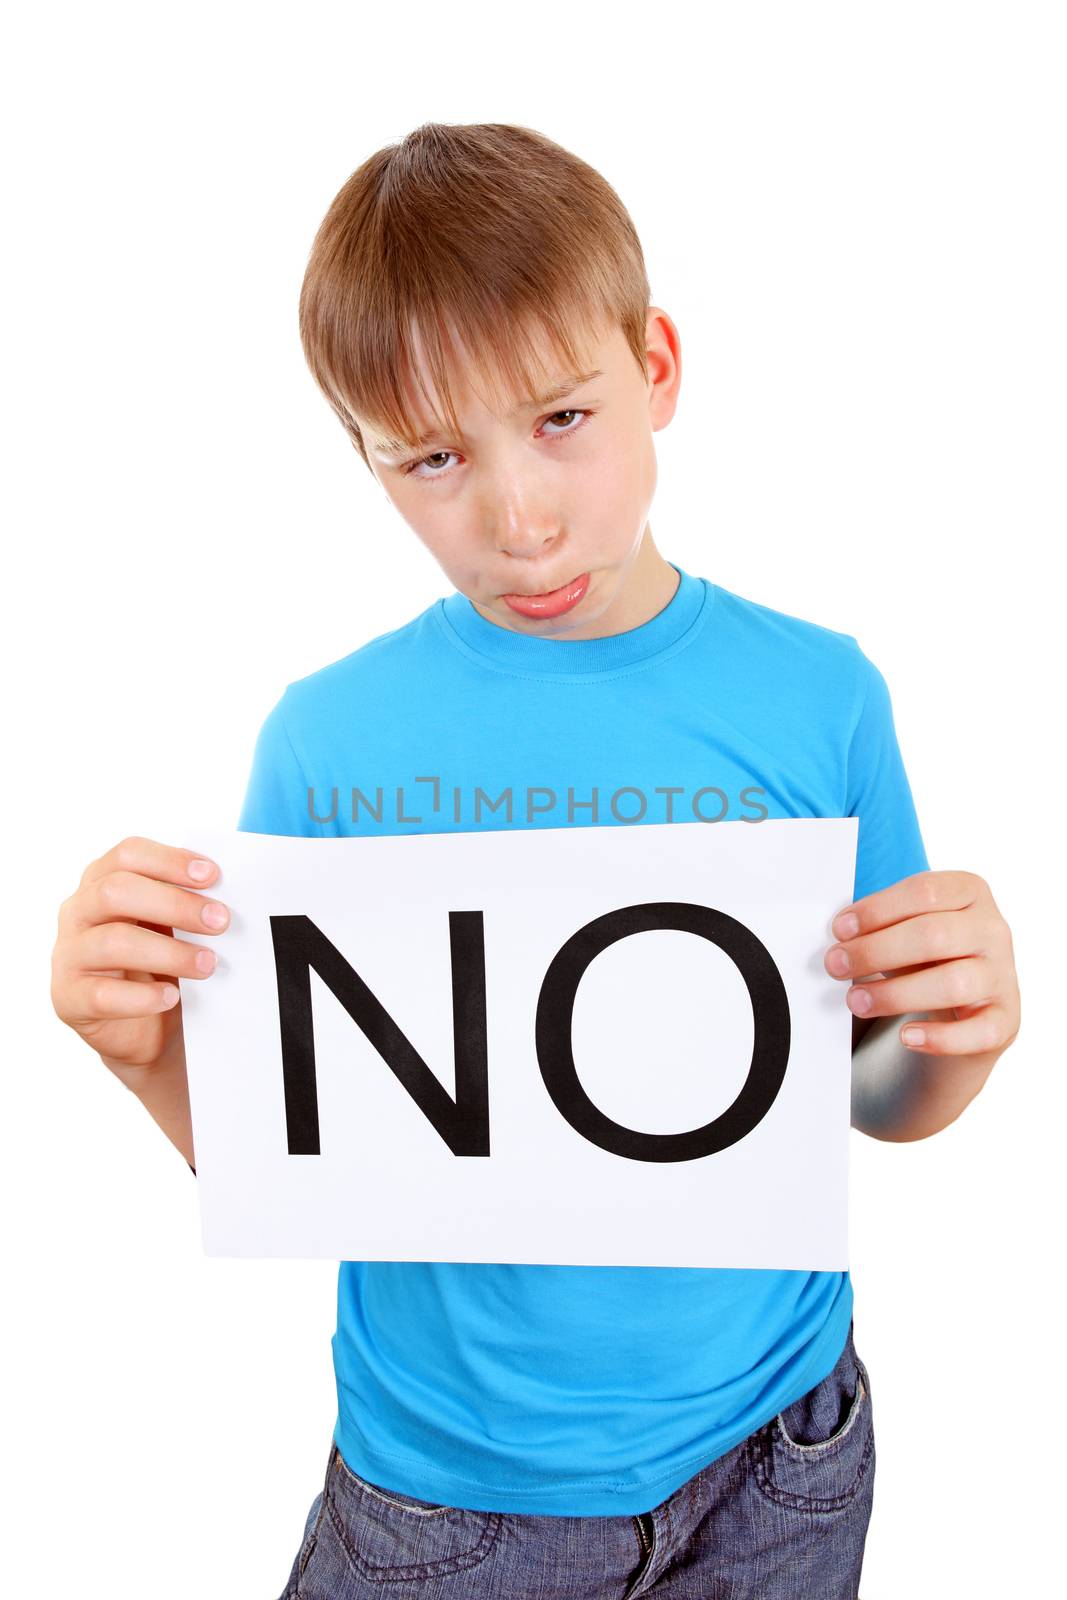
{"points": [[570, 413], [424, 461], [560, 433]]}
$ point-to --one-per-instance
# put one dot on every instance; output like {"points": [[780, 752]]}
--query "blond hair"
{"points": [[486, 231]]}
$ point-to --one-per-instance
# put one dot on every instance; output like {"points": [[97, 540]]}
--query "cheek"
{"points": [[445, 528], [425, 510], [432, 526], [623, 477]]}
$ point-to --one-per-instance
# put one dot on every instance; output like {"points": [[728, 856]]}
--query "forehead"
{"points": [[553, 387], [477, 386]]}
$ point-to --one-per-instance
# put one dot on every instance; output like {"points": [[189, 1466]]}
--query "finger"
{"points": [[910, 897], [127, 946], [970, 982], [95, 997], [930, 936], [988, 1029], [131, 895], [168, 863]]}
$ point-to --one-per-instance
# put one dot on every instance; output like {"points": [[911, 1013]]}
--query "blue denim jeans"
{"points": [[782, 1516]]}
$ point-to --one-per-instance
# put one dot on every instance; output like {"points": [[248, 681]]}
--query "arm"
{"points": [[933, 937], [116, 947], [935, 944], [900, 1096], [163, 1090]]}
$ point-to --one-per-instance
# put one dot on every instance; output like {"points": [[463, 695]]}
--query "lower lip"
{"points": [[553, 604]]}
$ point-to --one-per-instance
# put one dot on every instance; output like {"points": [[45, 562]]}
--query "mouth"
{"points": [[551, 602]]}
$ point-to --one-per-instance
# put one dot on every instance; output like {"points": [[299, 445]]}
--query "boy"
{"points": [[476, 311]]}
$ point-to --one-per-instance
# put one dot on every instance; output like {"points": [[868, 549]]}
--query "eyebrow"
{"points": [[398, 447]]}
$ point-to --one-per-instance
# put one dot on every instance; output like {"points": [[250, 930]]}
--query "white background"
{"points": [[854, 214]]}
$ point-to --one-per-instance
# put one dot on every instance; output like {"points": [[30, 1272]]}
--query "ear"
{"points": [[663, 347]]}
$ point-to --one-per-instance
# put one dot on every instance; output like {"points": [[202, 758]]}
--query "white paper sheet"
{"points": [[617, 978]]}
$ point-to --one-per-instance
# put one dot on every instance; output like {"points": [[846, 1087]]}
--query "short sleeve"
{"points": [[890, 845], [276, 799]]}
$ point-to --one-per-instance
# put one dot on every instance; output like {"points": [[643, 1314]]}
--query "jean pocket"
{"points": [[818, 1453], [387, 1535], [311, 1529], [307, 1547]]}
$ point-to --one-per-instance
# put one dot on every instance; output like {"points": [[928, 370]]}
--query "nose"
{"points": [[524, 525]]}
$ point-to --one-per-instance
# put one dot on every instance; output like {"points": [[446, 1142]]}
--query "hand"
{"points": [[933, 942], [116, 949]]}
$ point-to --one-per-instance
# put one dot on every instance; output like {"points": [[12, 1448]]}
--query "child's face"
{"points": [[527, 502]]}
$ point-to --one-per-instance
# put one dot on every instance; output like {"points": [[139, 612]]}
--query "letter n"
{"points": [[463, 1123]]}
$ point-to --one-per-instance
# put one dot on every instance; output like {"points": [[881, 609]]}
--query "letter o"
{"points": [[770, 1045]]}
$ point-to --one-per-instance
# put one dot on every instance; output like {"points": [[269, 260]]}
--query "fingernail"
{"points": [[859, 1001], [838, 962], [215, 915], [914, 1036], [200, 870], [846, 925], [206, 960]]}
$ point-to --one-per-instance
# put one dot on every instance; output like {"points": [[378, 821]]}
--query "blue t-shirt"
{"points": [[559, 1389]]}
